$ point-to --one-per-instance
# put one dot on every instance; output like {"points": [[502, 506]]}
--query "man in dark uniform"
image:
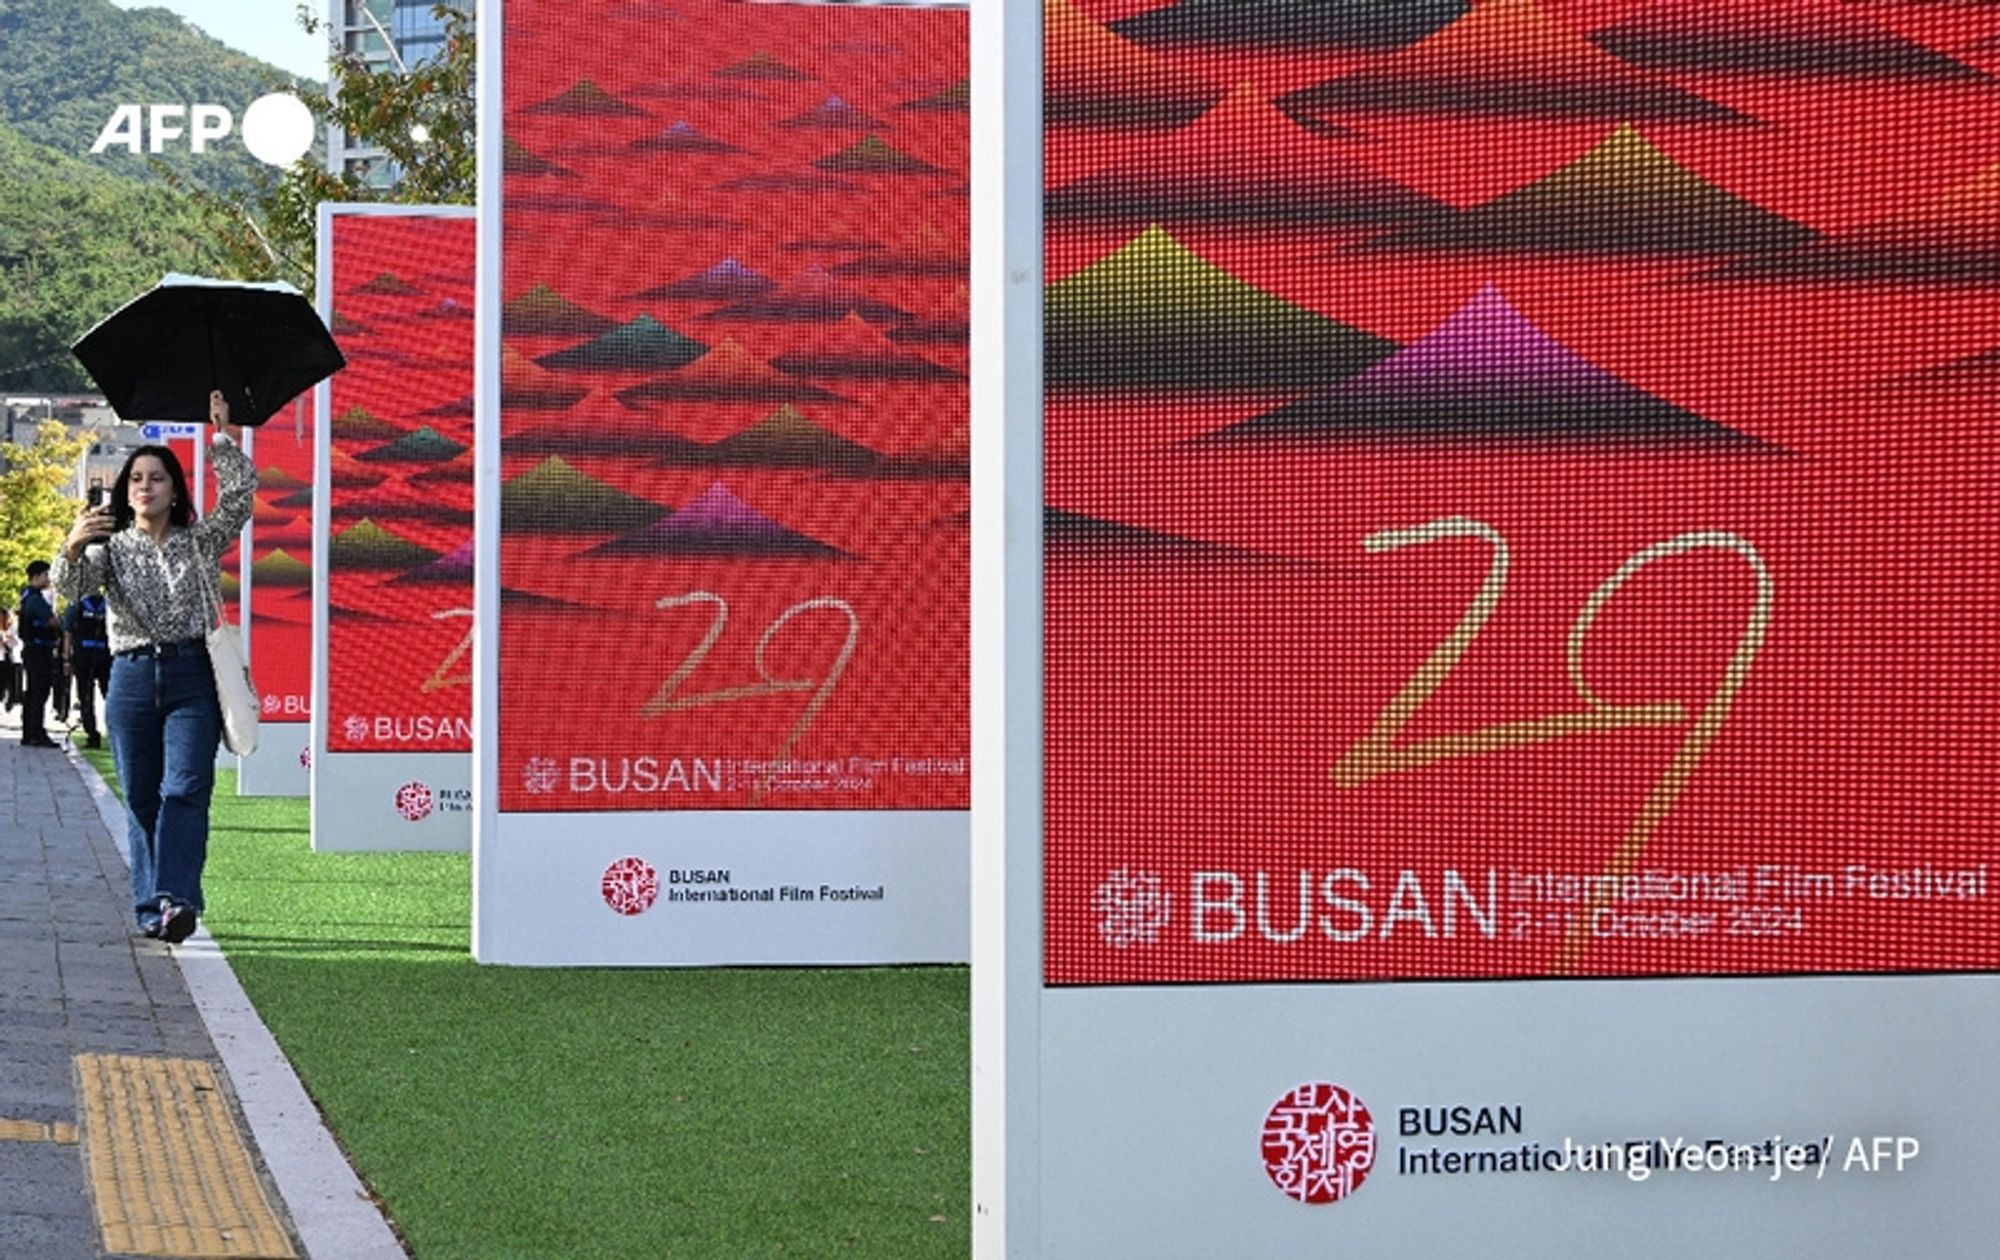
{"points": [[90, 658], [40, 639]]}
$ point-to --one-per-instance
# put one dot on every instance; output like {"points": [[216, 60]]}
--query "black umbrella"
{"points": [[158, 356]]}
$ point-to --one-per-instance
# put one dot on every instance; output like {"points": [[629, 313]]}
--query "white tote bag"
{"points": [[233, 688]]}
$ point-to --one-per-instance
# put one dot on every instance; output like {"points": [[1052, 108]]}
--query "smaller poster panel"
{"points": [[722, 632], [277, 601], [392, 670]]}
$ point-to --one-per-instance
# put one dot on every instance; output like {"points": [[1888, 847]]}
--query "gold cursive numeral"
{"points": [[669, 700]]}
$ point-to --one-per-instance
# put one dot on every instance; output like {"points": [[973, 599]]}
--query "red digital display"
{"points": [[1520, 489], [733, 408], [400, 483]]}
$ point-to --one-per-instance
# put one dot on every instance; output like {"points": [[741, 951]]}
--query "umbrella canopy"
{"points": [[158, 356]]}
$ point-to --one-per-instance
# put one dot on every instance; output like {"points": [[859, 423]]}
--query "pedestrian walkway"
{"points": [[121, 1130]]}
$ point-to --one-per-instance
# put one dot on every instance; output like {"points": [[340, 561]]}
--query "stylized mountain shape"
{"points": [[280, 569], [628, 442], [516, 160], [681, 137], [458, 408], [1486, 374], [387, 284], [941, 462], [815, 297], [1095, 78], [644, 344], [727, 373], [1971, 375], [726, 281], [836, 113], [1953, 238], [542, 312], [1508, 57], [1362, 25], [423, 446], [393, 502], [720, 524], [1077, 532], [342, 326], [1243, 162], [924, 253], [457, 471], [1155, 314], [232, 586], [872, 155], [530, 387], [1820, 38], [348, 473], [447, 308], [276, 478], [704, 91], [853, 350], [554, 497], [787, 439], [453, 568], [955, 99], [296, 499], [1624, 196], [267, 516], [367, 546], [762, 65], [791, 181], [585, 100]]}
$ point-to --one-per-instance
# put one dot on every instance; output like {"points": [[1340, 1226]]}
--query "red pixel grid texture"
{"points": [[1520, 489], [399, 562], [733, 407]]}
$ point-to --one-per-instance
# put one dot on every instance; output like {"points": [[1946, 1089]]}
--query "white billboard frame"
{"points": [[353, 794], [536, 896], [1125, 1120]]}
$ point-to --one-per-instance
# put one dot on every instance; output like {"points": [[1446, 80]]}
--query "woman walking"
{"points": [[158, 568]]}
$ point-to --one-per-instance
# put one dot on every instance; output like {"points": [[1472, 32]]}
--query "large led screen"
{"points": [[733, 400], [1520, 489], [392, 763], [724, 486]]}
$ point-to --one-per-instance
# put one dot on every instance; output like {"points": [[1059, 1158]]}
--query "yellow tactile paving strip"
{"points": [[169, 1173], [35, 1131]]}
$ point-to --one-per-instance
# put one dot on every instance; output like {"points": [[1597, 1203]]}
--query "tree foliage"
{"points": [[421, 117], [75, 243], [66, 65], [35, 511]]}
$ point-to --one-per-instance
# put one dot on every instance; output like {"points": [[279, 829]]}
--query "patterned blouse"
{"points": [[164, 593]]}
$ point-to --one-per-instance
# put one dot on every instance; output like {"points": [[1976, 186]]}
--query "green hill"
{"points": [[68, 64], [75, 243]]}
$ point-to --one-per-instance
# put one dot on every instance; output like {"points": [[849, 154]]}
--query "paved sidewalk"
{"points": [[75, 983]]}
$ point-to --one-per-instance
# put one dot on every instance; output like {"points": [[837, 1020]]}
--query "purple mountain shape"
{"points": [[453, 566], [681, 138], [1486, 374], [719, 523], [726, 281]]}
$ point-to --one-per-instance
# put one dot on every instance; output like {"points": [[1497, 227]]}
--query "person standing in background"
{"points": [[90, 659], [41, 639], [10, 673]]}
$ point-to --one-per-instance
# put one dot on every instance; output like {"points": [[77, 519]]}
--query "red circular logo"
{"points": [[1319, 1143], [631, 885], [413, 801]]}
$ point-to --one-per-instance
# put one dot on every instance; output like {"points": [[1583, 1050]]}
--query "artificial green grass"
{"points": [[597, 1114]]}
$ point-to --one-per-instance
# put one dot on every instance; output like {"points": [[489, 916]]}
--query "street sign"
{"points": [[163, 432]]}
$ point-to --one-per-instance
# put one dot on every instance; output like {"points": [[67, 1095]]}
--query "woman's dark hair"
{"points": [[182, 510]]}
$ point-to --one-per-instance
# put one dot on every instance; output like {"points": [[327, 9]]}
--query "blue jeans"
{"points": [[165, 726]]}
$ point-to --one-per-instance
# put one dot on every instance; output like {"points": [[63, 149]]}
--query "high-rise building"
{"points": [[385, 34]]}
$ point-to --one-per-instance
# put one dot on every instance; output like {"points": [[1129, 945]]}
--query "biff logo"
{"points": [[277, 128]]}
